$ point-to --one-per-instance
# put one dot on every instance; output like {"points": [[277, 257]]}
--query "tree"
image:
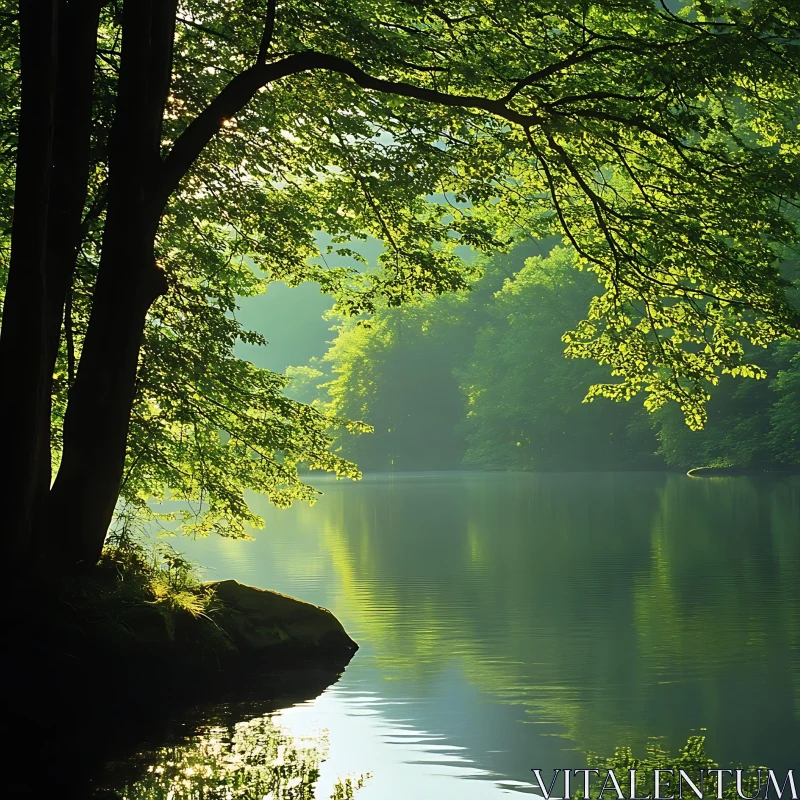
{"points": [[754, 425], [189, 136], [524, 405], [750, 424], [23, 343], [397, 375]]}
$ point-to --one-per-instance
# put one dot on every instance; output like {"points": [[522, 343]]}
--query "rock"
{"points": [[259, 621]]}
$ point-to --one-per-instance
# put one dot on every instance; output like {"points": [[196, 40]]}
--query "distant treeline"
{"points": [[479, 380]]}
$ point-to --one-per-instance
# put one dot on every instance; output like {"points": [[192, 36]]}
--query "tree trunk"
{"points": [[96, 425], [77, 44], [98, 413], [23, 341]]}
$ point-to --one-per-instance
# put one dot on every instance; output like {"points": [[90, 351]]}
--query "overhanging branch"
{"points": [[241, 89]]}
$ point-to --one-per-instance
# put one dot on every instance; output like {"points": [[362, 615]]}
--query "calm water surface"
{"points": [[511, 621]]}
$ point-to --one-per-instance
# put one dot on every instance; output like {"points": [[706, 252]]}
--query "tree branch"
{"points": [[241, 89], [269, 32], [233, 97], [190, 23], [571, 60]]}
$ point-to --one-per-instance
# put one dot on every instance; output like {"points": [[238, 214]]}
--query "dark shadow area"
{"points": [[80, 697]]}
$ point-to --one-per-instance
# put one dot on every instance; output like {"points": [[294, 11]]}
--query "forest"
{"points": [[480, 380]]}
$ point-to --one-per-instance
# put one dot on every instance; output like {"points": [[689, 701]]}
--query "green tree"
{"points": [[155, 146], [785, 419], [396, 373], [524, 399], [479, 378], [751, 423]]}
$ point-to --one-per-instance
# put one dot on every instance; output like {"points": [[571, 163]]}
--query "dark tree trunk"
{"points": [[77, 44], [129, 280], [24, 398]]}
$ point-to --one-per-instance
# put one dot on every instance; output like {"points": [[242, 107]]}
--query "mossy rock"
{"points": [[259, 621]]}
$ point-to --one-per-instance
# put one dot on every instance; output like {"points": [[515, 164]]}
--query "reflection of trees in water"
{"points": [[722, 589], [604, 603], [636, 775], [500, 578], [252, 760]]}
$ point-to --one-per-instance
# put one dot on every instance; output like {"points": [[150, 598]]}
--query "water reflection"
{"points": [[255, 758], [517, 621]]}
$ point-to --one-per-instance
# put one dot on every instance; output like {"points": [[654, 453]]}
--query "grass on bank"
{"points": [[140, 591], [154, 572]]}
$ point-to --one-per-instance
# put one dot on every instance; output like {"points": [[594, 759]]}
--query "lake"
{"points": [[509, 621]]}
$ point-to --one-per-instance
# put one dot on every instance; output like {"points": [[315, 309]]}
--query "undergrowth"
{"points": [[156, 571], [143, 591]]}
